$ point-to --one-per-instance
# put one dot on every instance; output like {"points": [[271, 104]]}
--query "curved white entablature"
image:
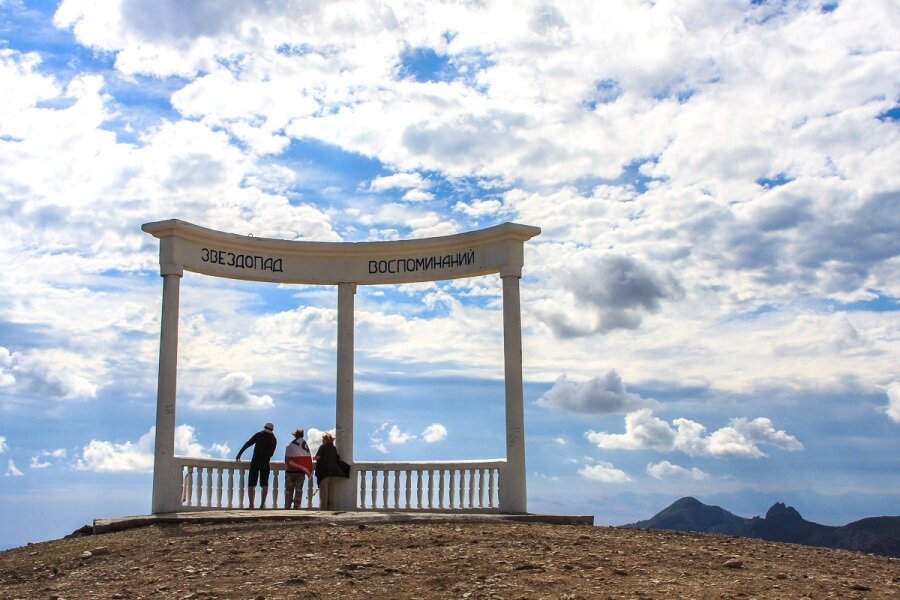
{"points": [[187, 246]]}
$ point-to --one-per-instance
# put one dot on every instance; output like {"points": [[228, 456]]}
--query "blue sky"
{"points": [[711, 309]]}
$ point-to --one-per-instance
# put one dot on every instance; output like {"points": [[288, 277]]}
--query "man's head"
{"points": [[298, 433], [269, 427]]}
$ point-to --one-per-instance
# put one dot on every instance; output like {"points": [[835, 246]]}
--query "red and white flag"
{"points": [[297, 456]]}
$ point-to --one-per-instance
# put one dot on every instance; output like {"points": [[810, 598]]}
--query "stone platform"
{"points": [[340, 517]]}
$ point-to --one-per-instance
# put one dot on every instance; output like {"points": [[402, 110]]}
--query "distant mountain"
{"points": [[876, 535]]}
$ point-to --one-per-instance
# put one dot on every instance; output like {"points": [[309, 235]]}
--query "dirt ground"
{"points": [[321, 560]]}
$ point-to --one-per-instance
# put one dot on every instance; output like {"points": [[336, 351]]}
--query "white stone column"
{"points": [[512, 489], [166, 475], [345, 495]]}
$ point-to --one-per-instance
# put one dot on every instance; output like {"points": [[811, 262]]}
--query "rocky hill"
{"points": [[877, 535], [253, 559]]}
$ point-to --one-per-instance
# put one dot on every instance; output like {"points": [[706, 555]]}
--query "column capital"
{"points": [[171, 269]]}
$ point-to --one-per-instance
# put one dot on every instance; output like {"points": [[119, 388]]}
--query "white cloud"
{"points": [[605, 292], [52, 373], [11, 470], [479, 208], [398, 180], [741, 438], [105, 456], [604, 472], [434, 433], [893, 406], [6, 376], [314, 438], [3, 445], [56, 455], [417, 196], [595, 396], [232, 392], [666, 470], [395, 437]]}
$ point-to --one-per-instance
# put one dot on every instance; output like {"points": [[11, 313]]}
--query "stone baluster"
{"points": [[199, 487], [241, 473], [397, 488], [408, 477], [274, 494], [374, 489], [418, 488], [491, 487], [452, 487], [188, 486], [230, 493], [384, 489], [362, 489], [209, 486], [471, 488]]}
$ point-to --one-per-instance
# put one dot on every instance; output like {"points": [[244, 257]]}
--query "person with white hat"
{"points": [[264, 444]]}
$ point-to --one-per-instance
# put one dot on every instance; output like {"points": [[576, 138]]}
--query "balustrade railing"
{"points": [[215, 483], [451, 486]]}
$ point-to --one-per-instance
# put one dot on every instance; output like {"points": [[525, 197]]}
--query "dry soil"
{"points": [[327, 559]]}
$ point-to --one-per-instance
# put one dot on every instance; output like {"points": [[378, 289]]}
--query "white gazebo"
{"points": [[192, 483]]}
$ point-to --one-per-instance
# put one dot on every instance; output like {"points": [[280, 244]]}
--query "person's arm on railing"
{"points": [[244, 447]]}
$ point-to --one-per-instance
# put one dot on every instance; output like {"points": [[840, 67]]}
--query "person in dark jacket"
{"points": [[264, 444], [327, 471]]}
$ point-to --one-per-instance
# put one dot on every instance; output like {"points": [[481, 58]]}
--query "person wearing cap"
{"points": [[297, 464], [264, 444]]}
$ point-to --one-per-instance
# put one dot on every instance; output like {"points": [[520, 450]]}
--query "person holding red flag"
{"points": [[298, 464]]}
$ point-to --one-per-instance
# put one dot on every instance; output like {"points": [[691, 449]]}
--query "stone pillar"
{"points": [[166, 475], [513, 490], [345, 495]]}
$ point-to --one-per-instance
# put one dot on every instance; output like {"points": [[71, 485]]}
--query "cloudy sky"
{"points": [[711, 309]]}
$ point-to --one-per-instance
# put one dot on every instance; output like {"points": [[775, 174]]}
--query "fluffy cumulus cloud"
{"points": [[434, 433], [664, 470], [403, 181], [106, 456], [50, 373], [232, 392], [314, 438], [741, 438], [606, 292], [598, 395], [604, 472], [893, 406], [389, 434]]}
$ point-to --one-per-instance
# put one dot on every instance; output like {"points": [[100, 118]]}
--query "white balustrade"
{"points": [[209, 484], [436, 486]]}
